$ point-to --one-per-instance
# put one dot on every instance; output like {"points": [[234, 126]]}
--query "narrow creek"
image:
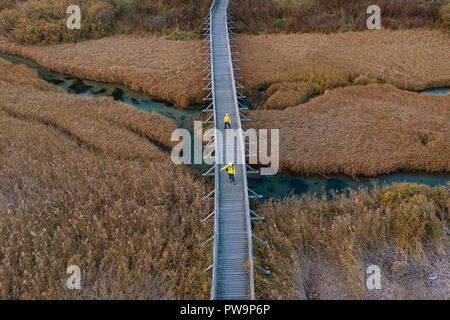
{"points": [[268, 186]]}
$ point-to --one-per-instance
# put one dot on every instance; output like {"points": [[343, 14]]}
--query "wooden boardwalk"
{"points": [[232, 258]]}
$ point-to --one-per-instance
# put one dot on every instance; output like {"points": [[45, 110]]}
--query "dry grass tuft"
{"points": [[320, 249], [81, 184], [363, 130], [44, 21], [100, 124]]}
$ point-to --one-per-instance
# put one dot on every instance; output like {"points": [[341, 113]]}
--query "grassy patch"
{"points": [[178, 34]]}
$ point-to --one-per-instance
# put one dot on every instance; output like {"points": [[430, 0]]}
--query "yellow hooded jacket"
{"points": [[230, 167], [227, 119]]}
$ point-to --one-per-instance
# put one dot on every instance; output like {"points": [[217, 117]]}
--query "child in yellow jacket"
{"points": [[231, 171], [227, 121]]}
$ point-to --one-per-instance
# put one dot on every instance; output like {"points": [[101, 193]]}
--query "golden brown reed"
{"points": [[297, 66], [22, 75], [132, 224], [363, 130], [168, 70], [320, 249], [79, 186], [73, 115]]}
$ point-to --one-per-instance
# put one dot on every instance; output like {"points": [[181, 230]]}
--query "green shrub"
{"points": [[44, 22], [413, 215], [178, 34]]}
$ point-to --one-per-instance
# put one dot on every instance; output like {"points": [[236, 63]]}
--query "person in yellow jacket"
{"points": [[231, 171], [227, 121]]}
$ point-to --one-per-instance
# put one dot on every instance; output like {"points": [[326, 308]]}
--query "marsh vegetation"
{"points": [[320, 249], [82, 182], [363, 130], [44, 21]]}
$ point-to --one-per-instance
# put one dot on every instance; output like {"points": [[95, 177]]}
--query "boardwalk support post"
{"points": [[252, 171], [256, 216], [209, 172], [262, 241], [207, 218], [206, 242], [209, 109], [266, 272], [208, 197], [207, 269], [255, 195]]}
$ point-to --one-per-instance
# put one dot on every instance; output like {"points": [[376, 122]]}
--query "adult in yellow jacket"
{"points": [[231, 171], [227, 121]]}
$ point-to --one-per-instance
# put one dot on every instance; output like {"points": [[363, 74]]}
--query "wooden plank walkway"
{"points": [[232, 237]]}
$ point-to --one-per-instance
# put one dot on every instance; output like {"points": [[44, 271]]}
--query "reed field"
{"points": [[83, 184], [64, 113], [362, 130], [167, 70], [320, 249], [278, 70], [286, 70], [87, 182]]}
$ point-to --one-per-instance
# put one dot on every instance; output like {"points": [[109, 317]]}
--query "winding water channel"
{"points": [[269, 186]]}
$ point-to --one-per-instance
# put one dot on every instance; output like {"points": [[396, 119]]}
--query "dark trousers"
{"points": [[231, 177], [227, 124]]}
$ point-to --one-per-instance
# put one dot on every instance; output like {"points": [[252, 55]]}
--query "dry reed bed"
{"points": [[132, 225], [126, 215], [68, 113], [168, 70], [297, 66], [320, 249], [363, 130]]}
